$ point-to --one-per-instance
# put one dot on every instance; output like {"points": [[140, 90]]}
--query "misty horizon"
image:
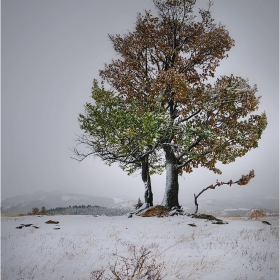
{"points": [[52, 51]]}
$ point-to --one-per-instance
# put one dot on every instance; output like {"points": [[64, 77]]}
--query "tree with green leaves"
{"points": [[126, 133]]}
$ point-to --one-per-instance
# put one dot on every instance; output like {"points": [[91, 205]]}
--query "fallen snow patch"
{"points": [[237, 209], [67, 197], [117, 200]]}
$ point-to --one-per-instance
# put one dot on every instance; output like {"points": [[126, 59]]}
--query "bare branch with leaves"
{"points": [[244, 180]]}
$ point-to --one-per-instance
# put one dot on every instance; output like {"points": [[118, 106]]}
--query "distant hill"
{"points": [[23, 204]]}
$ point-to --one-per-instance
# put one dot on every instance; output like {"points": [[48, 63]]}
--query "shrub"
{"points": [[140, 264], [35, 211], [256, 214]]}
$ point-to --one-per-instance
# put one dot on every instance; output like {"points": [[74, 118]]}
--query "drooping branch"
{"points": [[244, 180], [108, 155]]}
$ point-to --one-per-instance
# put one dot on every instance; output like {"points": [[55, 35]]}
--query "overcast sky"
{"points": [[51, 52]]}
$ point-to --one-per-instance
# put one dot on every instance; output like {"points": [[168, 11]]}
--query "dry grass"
{"points": [[235, 217], [155, 211], [257, 214]]}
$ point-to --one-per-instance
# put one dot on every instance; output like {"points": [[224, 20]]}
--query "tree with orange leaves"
{"points": [[165, 63]]}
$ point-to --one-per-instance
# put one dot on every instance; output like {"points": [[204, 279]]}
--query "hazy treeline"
{"points": [[87, 210]]}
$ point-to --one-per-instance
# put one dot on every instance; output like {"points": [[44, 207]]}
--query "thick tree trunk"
{"points": [[148, 196], [170, 198]]}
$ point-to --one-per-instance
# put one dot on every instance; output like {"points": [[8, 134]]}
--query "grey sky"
{"points": [[51, 52]]}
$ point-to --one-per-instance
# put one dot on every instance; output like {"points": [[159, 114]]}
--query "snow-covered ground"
{"points": [[78, 245]]}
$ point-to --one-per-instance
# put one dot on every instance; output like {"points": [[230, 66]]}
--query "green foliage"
{"points": [[120, 131]]}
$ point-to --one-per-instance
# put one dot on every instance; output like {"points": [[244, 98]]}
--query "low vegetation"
{"points": [[36, 211], [257, 214], [87, 210]]}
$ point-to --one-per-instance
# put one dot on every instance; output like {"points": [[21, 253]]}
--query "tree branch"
{"points": [[244, 180], [189, 117]]}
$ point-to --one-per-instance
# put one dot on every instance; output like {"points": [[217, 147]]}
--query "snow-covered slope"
{"points": [[78, 245]]}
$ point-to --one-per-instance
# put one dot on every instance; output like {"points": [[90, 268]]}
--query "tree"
{"points": [[44, 210], [35, 211], [164, 64], [117, 131], [138, 205]]}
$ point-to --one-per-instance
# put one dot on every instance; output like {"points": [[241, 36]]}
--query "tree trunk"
{"points": [[170, 198], [148, 196], [196, 204]]}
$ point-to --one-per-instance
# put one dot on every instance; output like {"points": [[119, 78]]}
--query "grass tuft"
{"points": [[155, 211]]}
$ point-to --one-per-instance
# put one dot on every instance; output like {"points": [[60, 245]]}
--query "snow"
{"points": [[25, 204], [237, 209], [67, 197], [117, 200], [241, 249]]}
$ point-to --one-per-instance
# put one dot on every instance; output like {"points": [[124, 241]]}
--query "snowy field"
{"points": [[78, 245]]}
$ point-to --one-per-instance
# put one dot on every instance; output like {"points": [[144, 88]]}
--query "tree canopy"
{"points": [[161, 82]]}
